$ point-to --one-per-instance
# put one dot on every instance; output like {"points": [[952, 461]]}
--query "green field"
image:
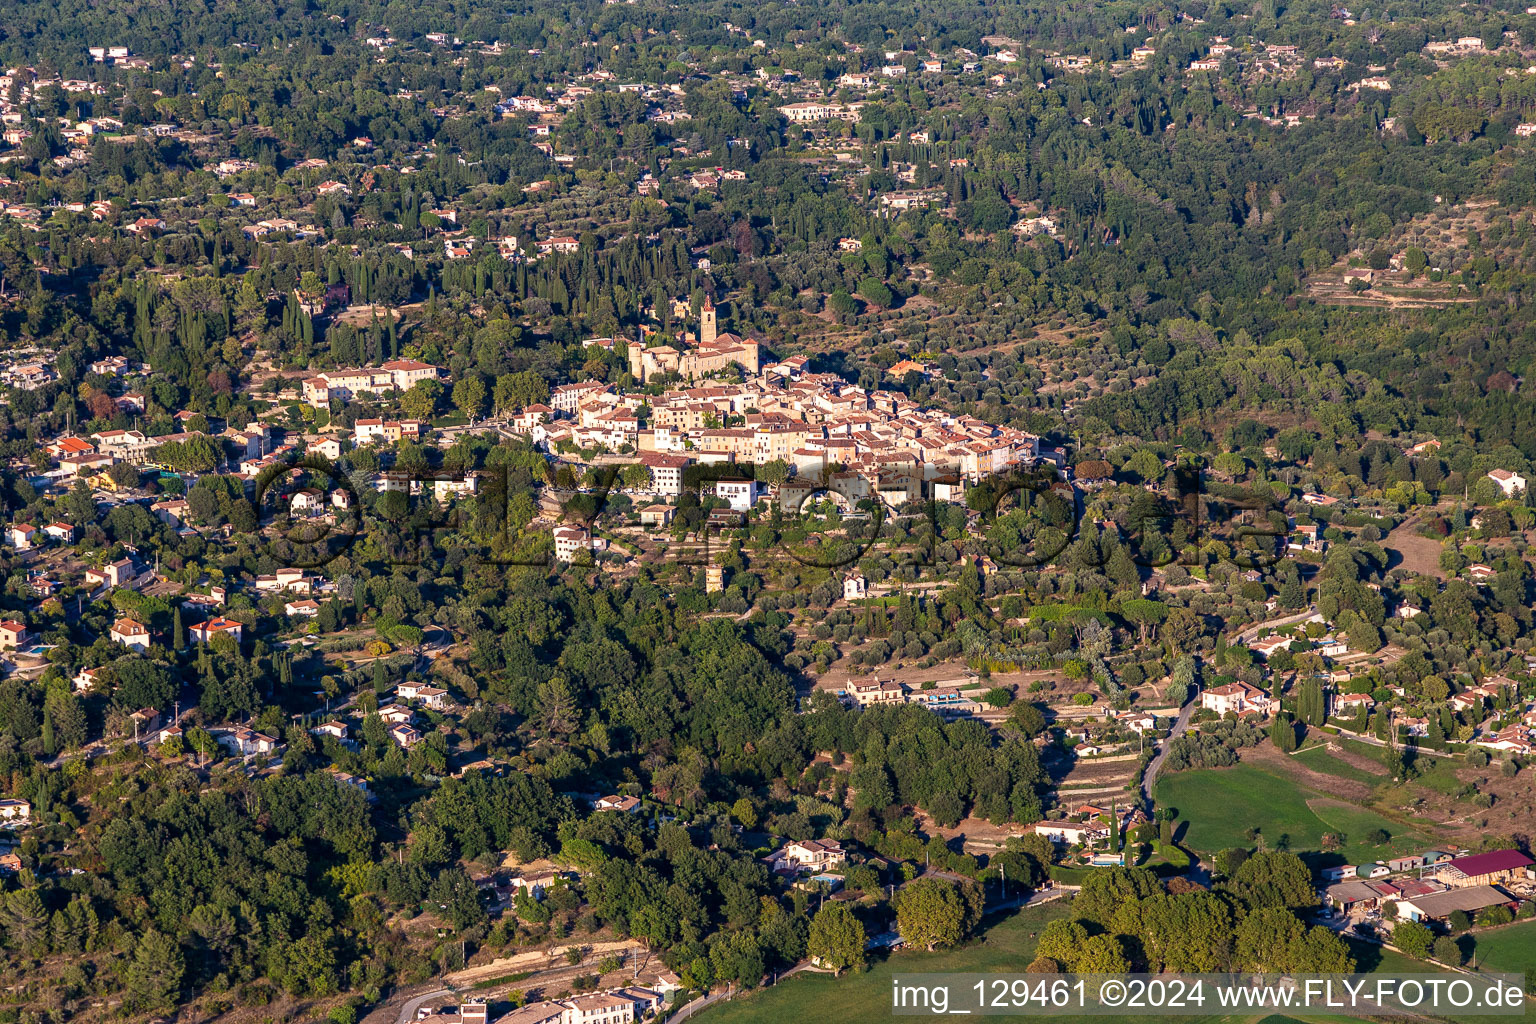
{"points": [[1006, 947], [1221, 804], [1319, 759], [1512, 948]]}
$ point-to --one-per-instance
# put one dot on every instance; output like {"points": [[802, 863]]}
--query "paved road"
{"points": [[408, 1011], [1035, 897], [702, 1003], [547, 980], [1417, 750], [1149, 777]]}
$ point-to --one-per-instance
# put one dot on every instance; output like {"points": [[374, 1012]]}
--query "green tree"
{"points": [[469, 396], [842, 304], [1325, 952], [1413, 938], [1027, 718], [519, 390], [875, 292], [124, 474], [1272, 878], [1061, 940], [420, 402], [836, 938], [930, 914], [155, 972], [1105, 891], [743, 811], [25, 920], [1282, 732], [1269, 940], [1102, 954]]}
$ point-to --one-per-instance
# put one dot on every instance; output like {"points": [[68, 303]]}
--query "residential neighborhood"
{"points": [[628, 511]]}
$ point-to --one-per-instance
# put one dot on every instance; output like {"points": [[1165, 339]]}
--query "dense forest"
{"points": [[273, 190]]}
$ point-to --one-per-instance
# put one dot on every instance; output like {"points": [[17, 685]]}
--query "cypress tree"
{"points": [[1283, 732]]}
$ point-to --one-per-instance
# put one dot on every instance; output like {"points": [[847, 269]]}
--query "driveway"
{"points": [[1149, 777], [1249, 634]]}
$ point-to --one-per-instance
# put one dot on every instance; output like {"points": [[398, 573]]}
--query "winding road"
{"points": [[545, 973]]}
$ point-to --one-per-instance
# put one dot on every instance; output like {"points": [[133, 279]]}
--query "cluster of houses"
{"points": [[833, 435], [1511, 731], [1431, 886]]}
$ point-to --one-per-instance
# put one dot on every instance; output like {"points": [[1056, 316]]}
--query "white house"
{"points": [[807, 855], [247, 742], [204, 632], [130, 633], [854, 587], [296, 580], [1513, 740], [1351, 703], [431, 696], [85, 679], [1509, 482], [876, 691], [1071, 833], [571, 541], [333, 729], [1269, 645], [740, 495], [1236, 698], [1136, 721], [395, 714]]}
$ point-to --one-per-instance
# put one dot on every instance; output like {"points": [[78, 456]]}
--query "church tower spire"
{"points": [[708, 327]]}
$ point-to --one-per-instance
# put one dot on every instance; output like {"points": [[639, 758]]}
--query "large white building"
{"points": [[1072, 833], [398, 374], [1237, 698], [666, 471], [130, 633], [810, 112]]}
